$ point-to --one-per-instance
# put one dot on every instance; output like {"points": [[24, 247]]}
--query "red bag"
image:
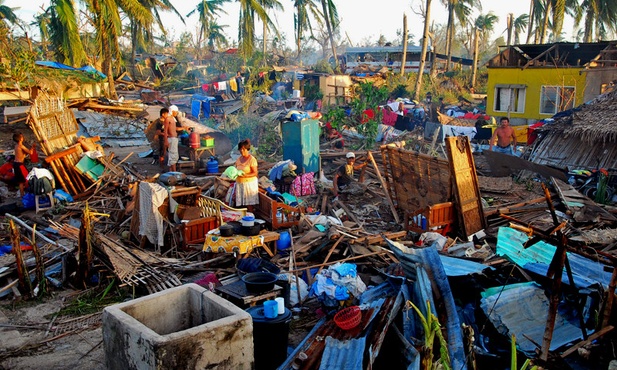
{"points": [[34, 156]]}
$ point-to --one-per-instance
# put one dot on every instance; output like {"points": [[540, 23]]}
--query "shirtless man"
{"points": [[171, 133], [506, 138], [21, 152]]}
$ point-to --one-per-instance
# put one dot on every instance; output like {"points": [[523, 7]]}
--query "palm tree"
{"points": [[215, 35], [484, 25], [598, 15], [7, 14], [457, 10], [302, 21], [208, 10], [63, 31], [425, 36], [141, 28], [267, 24], [536, 10], [106, 21], [519, 25], [330, 17], [246, 28]]}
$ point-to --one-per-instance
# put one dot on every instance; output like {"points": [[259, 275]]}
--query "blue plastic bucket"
{"points": [[284, 241]]}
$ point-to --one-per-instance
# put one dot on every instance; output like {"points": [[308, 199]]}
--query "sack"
{"points": [[39, 186]]}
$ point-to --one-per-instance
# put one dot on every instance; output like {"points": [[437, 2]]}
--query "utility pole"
{"points": [[475, 57]]}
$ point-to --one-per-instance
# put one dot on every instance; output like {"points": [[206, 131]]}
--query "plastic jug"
{"points": [[284, 241], [212, 166]]}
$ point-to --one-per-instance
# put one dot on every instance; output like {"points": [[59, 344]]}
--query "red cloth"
{"points": [[7, 170], [367, 115], [389, 117]]}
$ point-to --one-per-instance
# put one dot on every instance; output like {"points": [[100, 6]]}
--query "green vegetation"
{"points": [[432, 331]]}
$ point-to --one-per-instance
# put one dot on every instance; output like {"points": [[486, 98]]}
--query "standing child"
{"points": [[21, 152]]}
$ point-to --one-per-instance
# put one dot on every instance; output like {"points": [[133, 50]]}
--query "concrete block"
{"points": [[186, 327]]}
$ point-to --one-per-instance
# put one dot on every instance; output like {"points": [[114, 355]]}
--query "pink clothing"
{"points": [[389, 117]]}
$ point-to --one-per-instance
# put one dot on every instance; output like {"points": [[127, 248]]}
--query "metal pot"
{"points": [[226, 230], [251, 230]]}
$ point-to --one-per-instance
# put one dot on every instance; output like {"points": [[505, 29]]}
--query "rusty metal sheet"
{"points": [[466, 188]]}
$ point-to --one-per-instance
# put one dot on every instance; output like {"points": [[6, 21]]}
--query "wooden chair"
{"points": [[277, 214]]}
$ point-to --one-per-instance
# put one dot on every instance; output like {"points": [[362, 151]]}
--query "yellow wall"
{"points": [[533, 79]]}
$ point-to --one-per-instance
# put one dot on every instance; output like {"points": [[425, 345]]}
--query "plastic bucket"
{"points": [[270, 338], [248, 221], [284, 241]]}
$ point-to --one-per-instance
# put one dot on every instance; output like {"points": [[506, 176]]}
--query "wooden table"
{"points": [[196, 153]]}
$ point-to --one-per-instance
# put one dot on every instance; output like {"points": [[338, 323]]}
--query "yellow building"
{"points": [[531, 82]]}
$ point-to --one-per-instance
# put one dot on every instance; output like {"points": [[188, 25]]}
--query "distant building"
{"points": [[532, 82]]}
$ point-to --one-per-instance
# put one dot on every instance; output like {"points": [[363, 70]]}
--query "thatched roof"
{"points": [[592, 122]]}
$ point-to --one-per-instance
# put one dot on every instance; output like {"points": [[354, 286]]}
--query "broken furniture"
{"points": [[277, 214], [196, 153], [179, 328], [188, 166], [39, 204], [437, 218]]}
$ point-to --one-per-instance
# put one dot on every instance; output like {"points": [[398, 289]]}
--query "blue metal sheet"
{"points": [[461, 267], [538, 257], [429, 259], [522, 309]]}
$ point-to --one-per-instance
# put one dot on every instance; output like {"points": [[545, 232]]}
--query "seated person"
{"points": [[335, 137], [344, 175], [388, 116]]}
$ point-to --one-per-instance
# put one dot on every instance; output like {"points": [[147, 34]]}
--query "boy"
{"points": [[160, 135], [21, 152]]}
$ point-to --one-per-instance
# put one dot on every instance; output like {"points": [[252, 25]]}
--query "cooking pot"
{"points": [[226, 230], [261, 223], [259, 282], [251, 230], [237, 226]]}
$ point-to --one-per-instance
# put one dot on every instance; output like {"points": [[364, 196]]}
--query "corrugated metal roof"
{"points": [[522, 309], [344, 355], [538, 257], [115, 131]]}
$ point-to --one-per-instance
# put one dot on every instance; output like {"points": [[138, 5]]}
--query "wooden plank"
{"points": [[383, 184], [591, 338], [465, 179]]}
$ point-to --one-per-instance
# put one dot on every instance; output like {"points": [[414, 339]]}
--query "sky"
{"points": [[360, 19]]}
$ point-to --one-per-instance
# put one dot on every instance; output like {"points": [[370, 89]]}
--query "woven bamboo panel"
{"points": [[416, 180], [53, 123]]}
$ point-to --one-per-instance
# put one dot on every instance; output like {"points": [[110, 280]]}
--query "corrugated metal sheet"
{"points": [[538, 257], [428, 258], [115, 131], [345, 355], [462, 267], [522, 309]]}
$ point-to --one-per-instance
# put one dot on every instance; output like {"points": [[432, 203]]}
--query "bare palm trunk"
{"points": [[532, 12], [510, 24], [329, 28], [544, 31], [449, 36], [265, 46], [425, 36], [404, 58], [474, 72]]}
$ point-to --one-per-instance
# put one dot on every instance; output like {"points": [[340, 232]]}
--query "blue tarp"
{"points": [[88, 69], [537, 258], [200, 105]]}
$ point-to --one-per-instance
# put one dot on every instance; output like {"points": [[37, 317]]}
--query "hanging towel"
{"points": [[233, 85], [151, 197], [205, 87], [215, 86], [222, 85]]}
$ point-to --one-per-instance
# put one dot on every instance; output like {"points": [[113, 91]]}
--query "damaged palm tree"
{"points": [[84, 245], [432, 328]]}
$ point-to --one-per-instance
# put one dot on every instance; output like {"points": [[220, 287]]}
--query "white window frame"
{"points": [[518, 94], [558, 104]]}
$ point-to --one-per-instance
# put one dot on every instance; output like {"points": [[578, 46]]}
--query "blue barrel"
{"points": [[212, 166], [284, 241]]}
